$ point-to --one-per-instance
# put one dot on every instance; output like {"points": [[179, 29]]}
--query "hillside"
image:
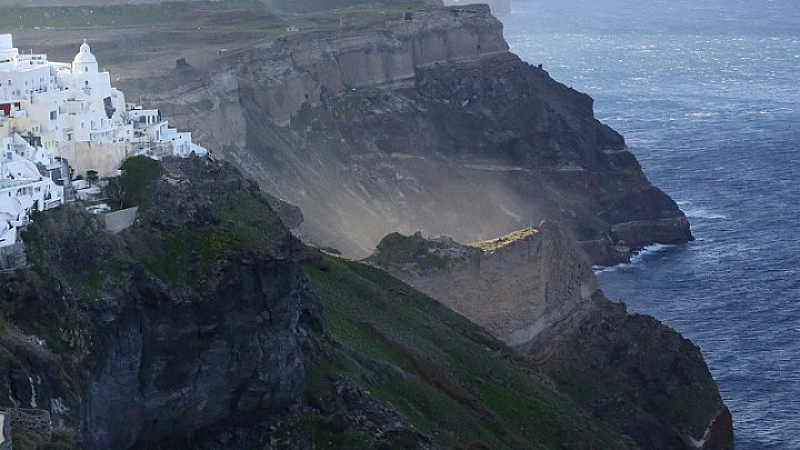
{"points": [[422, 122], [533, 290], [206, 325], [373, 120], [209, 325]]}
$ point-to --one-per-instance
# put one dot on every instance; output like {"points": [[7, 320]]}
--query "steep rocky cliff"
{"points": [[180, 323], [516, 286], [197, 328], [395, 118], [162, 364], [536, 292], [421, 121]]}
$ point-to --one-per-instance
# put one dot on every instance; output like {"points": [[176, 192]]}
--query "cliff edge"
{"points": [[422, 120], [206, 325], [536, 292], [179, 323], [516, 286]]}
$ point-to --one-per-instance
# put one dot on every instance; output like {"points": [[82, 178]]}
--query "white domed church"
{"points": [[52, 113]]}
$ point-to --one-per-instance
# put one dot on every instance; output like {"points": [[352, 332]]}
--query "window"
{"points": [[53, 115]]}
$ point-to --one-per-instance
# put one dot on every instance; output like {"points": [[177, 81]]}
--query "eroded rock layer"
{"points": [[421, 122]]}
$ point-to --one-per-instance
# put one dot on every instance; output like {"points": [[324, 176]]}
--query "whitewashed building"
{"points": [[152, 132], [73, 109], [52, 113], [27, 184]]}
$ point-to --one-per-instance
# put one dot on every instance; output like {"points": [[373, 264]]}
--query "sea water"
{"points": [[707, 95]]}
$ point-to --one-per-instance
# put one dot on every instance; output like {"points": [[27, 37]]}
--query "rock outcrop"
{"points": [[174, 325], [197, 328], [423, 121], [162, 365], [535, 291], [515, 286], [634, 372]]}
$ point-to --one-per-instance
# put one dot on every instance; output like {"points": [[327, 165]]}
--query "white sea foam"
{"points": [[701, 213], [603, 269], [636, 258], [705, 214], [648, 250]]}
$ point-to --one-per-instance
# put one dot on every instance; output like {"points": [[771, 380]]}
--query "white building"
{"points": [[52, 112], [73, 109], [151, 131], [26, 184]]}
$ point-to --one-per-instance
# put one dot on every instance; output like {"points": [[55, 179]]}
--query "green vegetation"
{"points": [[190, 255], [189, 232], [444, 374], [306, 6], [137, 183], [425, 254], [177, 15], [192, 231]]}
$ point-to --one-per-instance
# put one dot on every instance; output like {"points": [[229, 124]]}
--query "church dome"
{"points": [[85, 55]]}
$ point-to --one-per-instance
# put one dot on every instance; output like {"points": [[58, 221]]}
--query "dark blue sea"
{"points": [[707, 94]]}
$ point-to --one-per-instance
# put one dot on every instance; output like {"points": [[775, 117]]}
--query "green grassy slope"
{"points": [[380, 352], [446, 375]]}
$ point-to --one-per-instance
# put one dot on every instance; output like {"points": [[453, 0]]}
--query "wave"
{"points": [[701, 213], [648, 250], [636, 258]]}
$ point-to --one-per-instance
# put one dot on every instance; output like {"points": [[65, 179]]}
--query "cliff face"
{"points": [[421, 122], [197, 328], [182, 322], [515, 286], [536, 292], [162, 365], [278, 78], [275, 79]]}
